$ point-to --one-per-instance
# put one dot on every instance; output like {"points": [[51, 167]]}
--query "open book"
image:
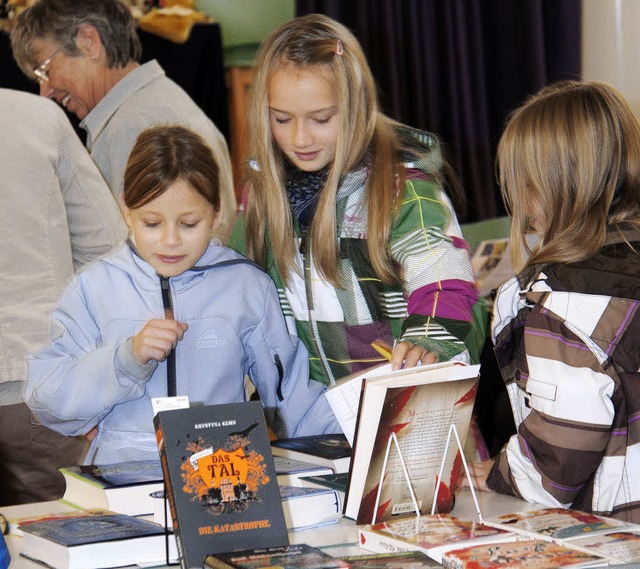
{"points": [[415, 408]]}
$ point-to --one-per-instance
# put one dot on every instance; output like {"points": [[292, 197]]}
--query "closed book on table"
{"points": [[332, 451], [335, 481], [397, 560], [124, 487], [528, 554], [309, 507], [290, 470], [91, 541], [430, 534], [221, 481], [297, 556]]}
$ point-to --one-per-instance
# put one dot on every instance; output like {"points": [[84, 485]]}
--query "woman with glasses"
{"points": [[84, 54]]}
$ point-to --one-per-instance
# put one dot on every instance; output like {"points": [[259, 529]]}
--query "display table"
{"points": [[339, 539]]}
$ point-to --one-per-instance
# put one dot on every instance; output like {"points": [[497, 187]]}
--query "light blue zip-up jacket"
{"points": [[88, 374]]}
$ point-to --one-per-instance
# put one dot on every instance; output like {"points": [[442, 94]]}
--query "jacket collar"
{"points": [[95, 122]]}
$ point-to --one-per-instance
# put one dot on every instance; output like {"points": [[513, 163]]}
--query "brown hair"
{"points": [[572, 151], [160, 156]]}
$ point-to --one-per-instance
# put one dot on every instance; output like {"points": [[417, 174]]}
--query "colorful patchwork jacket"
{"points": [[436, 306], [567, 339]]}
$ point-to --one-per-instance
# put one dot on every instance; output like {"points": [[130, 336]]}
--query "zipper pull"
{"points": [[280, 377], [166, 298]]}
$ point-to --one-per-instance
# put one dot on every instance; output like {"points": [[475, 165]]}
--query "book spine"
{"points": [[378, 543], [168, 493]]}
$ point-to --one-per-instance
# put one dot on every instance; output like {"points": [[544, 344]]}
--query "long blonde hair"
{"points": [[573, 152], [320, 43]]}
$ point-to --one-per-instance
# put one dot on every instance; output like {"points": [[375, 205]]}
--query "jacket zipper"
{"points": [[171, 358], [313, 325]]}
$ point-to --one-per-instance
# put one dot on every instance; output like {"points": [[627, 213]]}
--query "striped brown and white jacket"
{"points": [[567, 339]]}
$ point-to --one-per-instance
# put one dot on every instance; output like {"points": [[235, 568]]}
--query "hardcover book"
{"points": [[123, 487], [619, 546], [430, 534], [309, 507], [337, 482], [528, 554], [221, 481], [90, 540], [290, 470], [398, 560], [332, 451], [297, 556], [558, 524], [418, 407]]}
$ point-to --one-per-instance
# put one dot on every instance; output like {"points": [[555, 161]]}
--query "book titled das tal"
{"points": [[91, 540], [417, 407], [295, 556], [124, 487], [222, 487]]}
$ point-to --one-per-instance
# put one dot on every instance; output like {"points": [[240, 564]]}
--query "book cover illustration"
{"points": [[331, 447], [620, 546], [83, 529], [558, 523], [397, 560], [296, 556], [336, 481], [121, 474], [223, 491], [532, 554], [420, 416], [428, 532]]}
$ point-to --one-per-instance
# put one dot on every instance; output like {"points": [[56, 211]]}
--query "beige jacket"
{"points": [[57, 215]]}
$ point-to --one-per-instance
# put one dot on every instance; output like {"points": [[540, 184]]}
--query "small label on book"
{"points": [[169, 403], [405, 508]]}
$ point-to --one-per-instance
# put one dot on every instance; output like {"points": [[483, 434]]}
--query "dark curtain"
{"points": [[459, 67]]}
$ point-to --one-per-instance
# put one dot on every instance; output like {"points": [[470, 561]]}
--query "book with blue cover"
{"points": [[90, 539]]}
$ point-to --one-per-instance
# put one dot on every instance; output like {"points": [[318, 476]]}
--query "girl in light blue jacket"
{"points": [[173, 312]]}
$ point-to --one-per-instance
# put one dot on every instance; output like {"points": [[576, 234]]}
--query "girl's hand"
{"points": [[479, 472], [157, 338], [92, 434], [408, 355]]}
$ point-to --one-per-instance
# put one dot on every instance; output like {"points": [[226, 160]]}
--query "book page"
{"points": [[344, 398]]}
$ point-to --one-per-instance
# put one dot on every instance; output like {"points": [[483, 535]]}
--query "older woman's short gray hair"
{"points": [[60, 21]]}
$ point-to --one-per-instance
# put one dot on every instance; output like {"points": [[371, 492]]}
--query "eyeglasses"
{"points": [[42, 71]]}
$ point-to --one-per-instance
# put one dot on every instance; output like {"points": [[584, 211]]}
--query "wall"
{"points": [[245, 23], [611, 45]]}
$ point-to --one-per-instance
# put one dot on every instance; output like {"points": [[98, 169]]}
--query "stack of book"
{"points": [[542, 538], [95, 538], [124, 488], [329, 451]]}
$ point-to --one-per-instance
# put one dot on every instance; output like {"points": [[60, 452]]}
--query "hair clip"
{"points": [[339, 48]]}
